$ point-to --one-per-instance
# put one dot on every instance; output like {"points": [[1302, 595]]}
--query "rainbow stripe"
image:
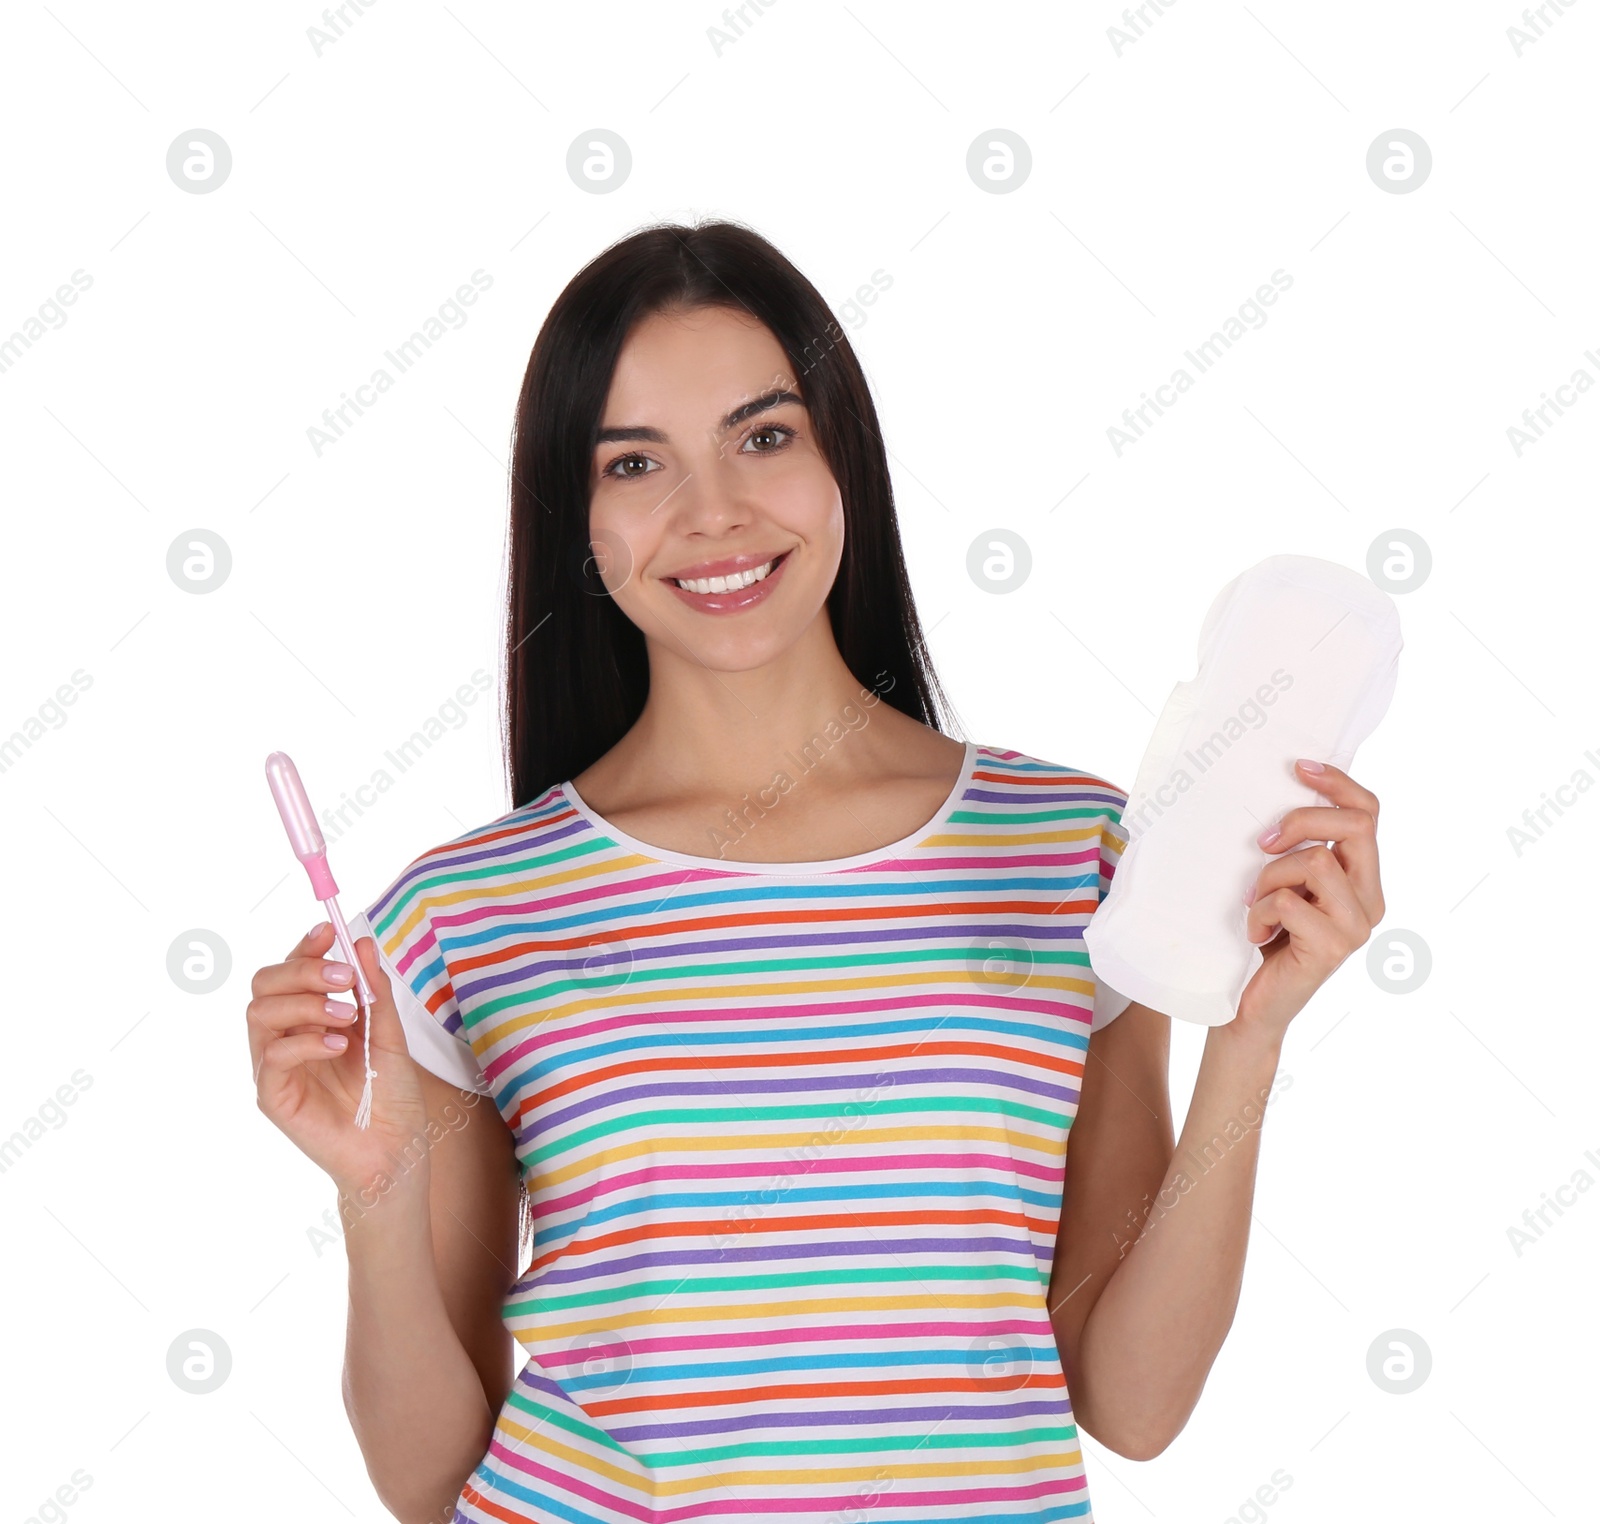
{"points": [[795, 1137]]}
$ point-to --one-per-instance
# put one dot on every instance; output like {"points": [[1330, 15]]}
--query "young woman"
{"points": [[767, 1003]]}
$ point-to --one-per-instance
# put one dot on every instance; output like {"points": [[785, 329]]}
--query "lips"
{"points": [[725, 566], [738, 599]]}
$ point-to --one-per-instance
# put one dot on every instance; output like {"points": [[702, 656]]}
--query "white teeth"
{"points": [[726, 584]]}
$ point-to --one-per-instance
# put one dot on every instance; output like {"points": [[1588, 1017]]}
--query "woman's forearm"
{"points": [[1148, 1345], [414, 1397]]}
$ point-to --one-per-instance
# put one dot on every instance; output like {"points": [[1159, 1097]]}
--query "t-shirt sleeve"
{"points": [[1109, 1003], [424, 996]]}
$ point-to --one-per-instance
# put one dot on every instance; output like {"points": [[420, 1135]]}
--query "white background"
{"points": [[1170, 178]]}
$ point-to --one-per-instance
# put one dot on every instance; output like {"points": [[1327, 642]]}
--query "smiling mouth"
{"points": [[730, 584]]}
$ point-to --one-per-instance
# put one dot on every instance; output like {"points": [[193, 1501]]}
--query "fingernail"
{"points": [[335, 1039], [1268, 836], [317, 930], [337, 973], [339, 1012], [1250, 895], [1311, 767]]}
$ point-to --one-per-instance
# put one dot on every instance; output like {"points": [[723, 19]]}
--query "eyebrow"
{"points": [[733, 420]]}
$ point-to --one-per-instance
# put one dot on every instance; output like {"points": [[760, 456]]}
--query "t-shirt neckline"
{"points": [[799, 869]]}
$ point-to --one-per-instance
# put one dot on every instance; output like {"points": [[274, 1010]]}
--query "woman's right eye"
{"points": [[611, 470]]}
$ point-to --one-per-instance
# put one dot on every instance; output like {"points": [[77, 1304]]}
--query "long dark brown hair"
{"points": [[576, 670]]}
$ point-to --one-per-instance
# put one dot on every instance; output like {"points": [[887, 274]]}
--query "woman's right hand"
{"points": [[310, 1090]]}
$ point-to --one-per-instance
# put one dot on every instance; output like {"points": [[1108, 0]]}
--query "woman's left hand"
{"points": [[1326, 899]]}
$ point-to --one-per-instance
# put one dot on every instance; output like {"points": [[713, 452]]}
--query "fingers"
{"points": [[386, 1027], [1329, 894], [299, 995], [302, 1048], [1339, 787], [1312, 822], [1345, 797], [278, 1015], [1354, 854], [317, 940], [377, 980], [1284, 911], [303, 973], [367, 951], [1350, 823]]}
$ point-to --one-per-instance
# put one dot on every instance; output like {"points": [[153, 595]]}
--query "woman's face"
{"points": [[706, 457]]}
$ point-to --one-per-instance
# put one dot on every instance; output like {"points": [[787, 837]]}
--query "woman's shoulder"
{"points": [[1024, 773], [478, 854]]}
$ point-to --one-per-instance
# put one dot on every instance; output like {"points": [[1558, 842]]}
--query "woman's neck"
{"points": [[802, 726], [702, 728]]}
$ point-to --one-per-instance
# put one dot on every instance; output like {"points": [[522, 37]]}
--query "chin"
{"points": [[738, 653]]}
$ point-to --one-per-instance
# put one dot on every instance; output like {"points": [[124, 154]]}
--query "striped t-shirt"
{"points": [[794, 1136]]}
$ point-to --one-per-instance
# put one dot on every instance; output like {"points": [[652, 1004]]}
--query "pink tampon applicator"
{"points": [[306, 838]]}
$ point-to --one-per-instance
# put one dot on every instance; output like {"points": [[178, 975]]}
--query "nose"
{"points": [[710, 498]]}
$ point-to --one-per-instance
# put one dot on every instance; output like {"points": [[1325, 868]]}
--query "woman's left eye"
{"points": [[773, 428]]}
